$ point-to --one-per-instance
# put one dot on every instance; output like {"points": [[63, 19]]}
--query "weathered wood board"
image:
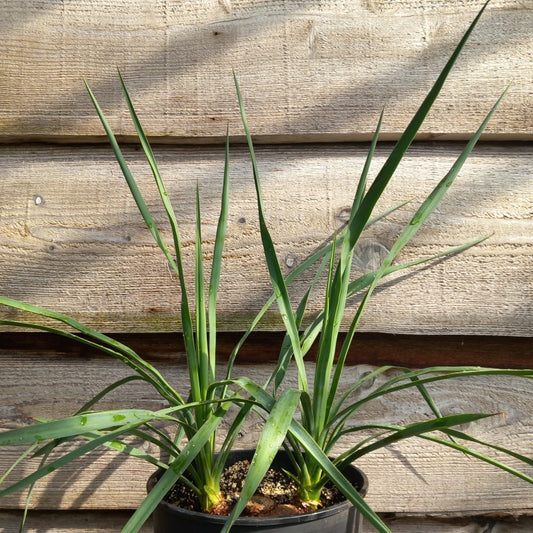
{"points": [[309, 69], [425, 478], [71, 238], [111, 522]]}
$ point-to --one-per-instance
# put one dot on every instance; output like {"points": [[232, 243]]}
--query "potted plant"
{"points": [[328, 413], [196, 414], [193, 458]]}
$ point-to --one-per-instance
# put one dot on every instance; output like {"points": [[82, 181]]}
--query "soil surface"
{"points": [[275, 496]]}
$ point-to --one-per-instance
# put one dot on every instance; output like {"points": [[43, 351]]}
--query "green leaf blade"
{"points": [[272, 437]]}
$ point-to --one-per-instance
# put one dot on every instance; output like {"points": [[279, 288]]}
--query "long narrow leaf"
{"points": [[405, 381], [285, 356], [71, 456], [79, 424], [478, 455], [29, 451], [361, 186], [216, 264], [136, 193], [45, 450], [310, 446], [176, 264], [421, 215], [276, 276], [307, 263], [103, 343], [387, 170], [416, 429], [198, 362], [465, 436], [271, 439], [175, 470]]}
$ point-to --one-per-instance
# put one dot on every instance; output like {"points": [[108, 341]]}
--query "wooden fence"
{"points": [[315, 76]]}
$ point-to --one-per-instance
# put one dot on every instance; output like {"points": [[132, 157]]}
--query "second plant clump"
{"points": [[309, 420]]}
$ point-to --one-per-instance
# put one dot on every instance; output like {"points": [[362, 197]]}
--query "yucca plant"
{"points": [[194, 457], [327, 413]]}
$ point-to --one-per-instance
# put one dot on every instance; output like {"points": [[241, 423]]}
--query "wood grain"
{"points": [[71, 238], [425, 478], [309, 70], [110, 522]]}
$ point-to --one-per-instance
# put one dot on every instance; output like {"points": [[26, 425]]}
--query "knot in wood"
{"points": [[369, 255]]}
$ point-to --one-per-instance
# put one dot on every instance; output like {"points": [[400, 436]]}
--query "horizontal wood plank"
{"points": [[424, 477], [106, 522], [309, 70], [71, 238], [412, 351]]}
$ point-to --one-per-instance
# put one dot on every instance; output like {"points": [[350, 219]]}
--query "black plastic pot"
{"points": [[339, 518]]}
